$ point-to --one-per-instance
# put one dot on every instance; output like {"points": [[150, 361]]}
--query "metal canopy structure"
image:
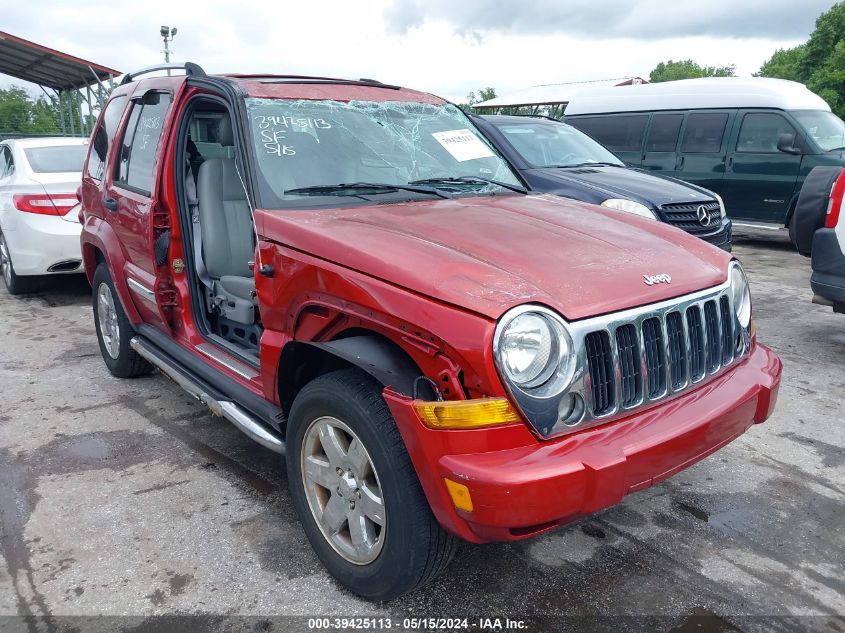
{"points": [[552, 97], [72, 80]]}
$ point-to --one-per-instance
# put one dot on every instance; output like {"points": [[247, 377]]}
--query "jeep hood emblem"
{"points": [[662, 278]]}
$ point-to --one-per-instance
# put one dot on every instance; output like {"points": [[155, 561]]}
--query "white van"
{"points": [[752, 141]]}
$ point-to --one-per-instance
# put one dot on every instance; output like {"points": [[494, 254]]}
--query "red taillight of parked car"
{"points": [[44, 204], [837, 201]]}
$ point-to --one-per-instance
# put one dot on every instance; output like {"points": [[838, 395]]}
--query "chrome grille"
{"points": [[600, 360], [714, 338], [726, 341], [629, 360], [685, 216], [655, 359], [677, 350], [696, 343], [658, 352]]}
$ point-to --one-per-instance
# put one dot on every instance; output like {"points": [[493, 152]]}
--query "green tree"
{"points": [[688, 69], [21, 114], [819, 62], [783, 64], [483, 94]]}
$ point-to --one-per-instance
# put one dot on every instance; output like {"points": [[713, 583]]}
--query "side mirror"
{"points": [[786, 144]]}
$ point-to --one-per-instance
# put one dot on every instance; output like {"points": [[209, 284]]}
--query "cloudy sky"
{"points": [[441, 46]]}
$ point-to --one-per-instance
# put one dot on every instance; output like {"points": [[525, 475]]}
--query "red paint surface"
{"points": [[433, 277], [488, 254], [520, 486]]}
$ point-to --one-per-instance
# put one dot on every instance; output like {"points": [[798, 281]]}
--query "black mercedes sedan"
{"points": [[556, 158]]}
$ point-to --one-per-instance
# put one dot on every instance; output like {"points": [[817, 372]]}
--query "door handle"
{"points": [[680, 163], [110, 204], [730, 162]]}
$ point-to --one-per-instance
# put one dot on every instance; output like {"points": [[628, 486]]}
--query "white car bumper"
{"points": [[44, 244]]}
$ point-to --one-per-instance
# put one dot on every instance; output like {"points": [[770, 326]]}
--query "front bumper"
{"points": [[521, 486], [828, 278], [723, 237]]}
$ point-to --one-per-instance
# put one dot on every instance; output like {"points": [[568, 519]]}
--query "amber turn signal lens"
{"points": [[466, 414], [460, 495]]}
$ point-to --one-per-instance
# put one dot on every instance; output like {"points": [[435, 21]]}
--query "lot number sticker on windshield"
{"points": [[462, 145]]}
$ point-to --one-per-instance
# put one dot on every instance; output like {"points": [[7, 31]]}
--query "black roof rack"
{"points": [[191, 69], [271, 79]]}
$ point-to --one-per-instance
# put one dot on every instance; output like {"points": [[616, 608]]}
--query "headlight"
{"points": [[629, 206], [722, 211], [532, 347], [529, 349], [741, 295]]}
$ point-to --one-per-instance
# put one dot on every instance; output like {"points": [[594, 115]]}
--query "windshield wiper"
{"points": [[589, 165], [447, 180], [344, 188]]}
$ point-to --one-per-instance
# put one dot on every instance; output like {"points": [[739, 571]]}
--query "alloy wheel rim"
{"points": [[343, 490], [107, 316], [5, 262]]}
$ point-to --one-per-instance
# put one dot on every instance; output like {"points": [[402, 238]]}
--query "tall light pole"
{"points": [[167, 34]]}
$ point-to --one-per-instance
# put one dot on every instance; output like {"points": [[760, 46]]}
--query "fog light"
{"points": [[460, 495], [571, 409]]}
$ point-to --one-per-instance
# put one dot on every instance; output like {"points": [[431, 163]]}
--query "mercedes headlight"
{"points": [[722, 211], [741, 295], [629, 206], [533, 348]]}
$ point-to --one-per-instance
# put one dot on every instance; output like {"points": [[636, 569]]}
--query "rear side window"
{"points": [[663, 134], [141, 140], [54, 159], [104, 136], [618, 133], [704, 132], [7, 165], [760, 132]]}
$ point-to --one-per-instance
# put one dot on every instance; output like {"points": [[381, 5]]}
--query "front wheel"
{"points": [[114, 331], [356, 491]]}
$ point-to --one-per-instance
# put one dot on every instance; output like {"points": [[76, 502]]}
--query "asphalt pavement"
{"points": [[128, 499]]}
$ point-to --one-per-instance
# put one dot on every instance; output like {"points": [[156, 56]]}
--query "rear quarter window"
{"points": [[619, 133], [54, 159], [104, 136]]}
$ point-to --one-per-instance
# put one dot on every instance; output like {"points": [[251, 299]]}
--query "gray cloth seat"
{"points": [[227, 234], [243, 287]]}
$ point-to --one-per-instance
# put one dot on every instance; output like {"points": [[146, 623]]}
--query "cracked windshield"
{"points": [[328, 153]]}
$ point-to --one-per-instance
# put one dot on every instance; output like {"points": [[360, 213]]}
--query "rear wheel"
{"points": [[356, 491], [15, 284], [114, 330]]}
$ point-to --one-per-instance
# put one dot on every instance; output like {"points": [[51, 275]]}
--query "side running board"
{"points": [[237, 415]]}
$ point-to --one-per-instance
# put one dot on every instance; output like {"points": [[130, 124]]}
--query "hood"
{"points": [[632, 184], [488, 254]]}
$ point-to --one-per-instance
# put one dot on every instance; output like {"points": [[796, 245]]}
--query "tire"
{"points": [[15, 284], [120, 358], [410, 548], [811, 209]]}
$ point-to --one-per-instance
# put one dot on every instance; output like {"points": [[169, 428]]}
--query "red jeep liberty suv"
{"points": [[350, 274]]}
